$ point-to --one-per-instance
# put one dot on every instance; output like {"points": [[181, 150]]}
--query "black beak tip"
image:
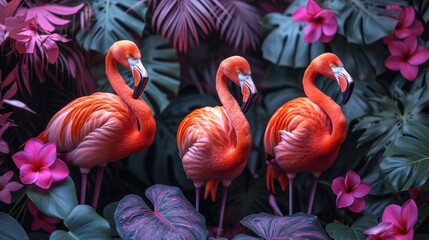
{"points": [[348, 93]]}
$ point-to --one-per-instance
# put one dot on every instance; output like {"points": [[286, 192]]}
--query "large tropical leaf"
{"points": [[172, 217], [297, 226], [161, 163], [163, 69], [405, 162], [284, 44], [340, 231], [182, 21], [114, 20], [10, 229], [422, 8], [238, 23], [364, 21]]}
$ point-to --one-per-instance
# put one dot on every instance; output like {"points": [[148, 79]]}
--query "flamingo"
{"points": [[305, 134], [103, 127], [214, 142]]}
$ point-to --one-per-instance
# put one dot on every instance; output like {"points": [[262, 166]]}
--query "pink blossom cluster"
{"points": [[322, 24], [40, 220], [406, 53]]}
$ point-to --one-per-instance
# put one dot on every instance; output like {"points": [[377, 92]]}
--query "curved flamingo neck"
{"points": [[139, 110], [236, 116], [329, 106]]}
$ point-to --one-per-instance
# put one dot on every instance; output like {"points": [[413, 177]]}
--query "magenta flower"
{"points": [[382, 231], [350, 191], [396, 221], [38, 164], [6, 186], [322, 24], [408, 25], [40, 220], [406, 56]]}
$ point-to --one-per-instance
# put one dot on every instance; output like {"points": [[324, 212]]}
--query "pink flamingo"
{"points": [[305, 134], [103, 127]]}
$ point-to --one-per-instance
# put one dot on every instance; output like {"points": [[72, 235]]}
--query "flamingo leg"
{"points": [[219, 231], [83, 187], [98, 180], [291, 194], [197, 198], [312, 194]]}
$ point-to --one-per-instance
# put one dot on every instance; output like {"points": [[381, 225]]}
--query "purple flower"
{"points": [[38, 164], [322, 24], [406, 56], [40, 220], [396, 221], [350, 191], [6, 186]]}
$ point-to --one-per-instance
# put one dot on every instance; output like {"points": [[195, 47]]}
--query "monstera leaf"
{"points": [[405, 163], [422, 8], [364, 21], [114, 20], [160, 163], [173, 217], [297, 226], [284, 44], [10, 229], [340, 231], [163, 69]]}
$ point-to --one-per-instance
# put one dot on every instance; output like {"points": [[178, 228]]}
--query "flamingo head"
{"points": [[237, 69], [332, 67], [128, 55]]}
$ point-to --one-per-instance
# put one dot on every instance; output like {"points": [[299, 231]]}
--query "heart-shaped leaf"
{"points": [[364, 21], [405, 163], [340, 231], [161, 63], [297, 226], [83, 223], [57, 201], [284, 44], [114, 20], [173, 217], [10, 229]]}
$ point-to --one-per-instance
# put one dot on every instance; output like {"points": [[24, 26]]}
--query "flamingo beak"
{"points": [[345, 81], [248, 90], [140, 76]]}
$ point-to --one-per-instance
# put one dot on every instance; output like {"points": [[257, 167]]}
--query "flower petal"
{"points": [[5, 196], [407, 16], [33, 145], [352, 180], [358, 205], [13, 186], [312, 32], [45, 178], [409, 213], [330, 29], [48, 154], [5, 178], [411, 43], [337, 185], [313, 8], [301, 15], [344, 199], [392, 214], [362, 190], [27, 175], [393, 63], [397, 48], [379, 229], [59, 170], [420, 56], [32, 208], [408, 71], [22, 158]]}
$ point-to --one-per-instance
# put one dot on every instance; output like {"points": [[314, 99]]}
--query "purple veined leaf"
{"points": [[19, 104], [4, 118], [47, 15], [297, 226], [4, 147], [3, 128], [10, 92], [173, 216]]}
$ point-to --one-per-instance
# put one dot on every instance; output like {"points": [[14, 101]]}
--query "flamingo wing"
{"points": [[89, 127], [205, 136], [295, 132]]}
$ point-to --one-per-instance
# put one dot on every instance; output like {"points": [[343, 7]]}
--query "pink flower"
{"points": [[396, 221], [406, 56], [6, 187], [40, 220], [350, 191], [38, 164], [408, 25], [322, 24]]}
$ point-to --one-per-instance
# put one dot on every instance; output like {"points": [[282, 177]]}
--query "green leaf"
{"points": [[284, 44], [10, 229], [83, 223], [162, 65], [423, 212], [405, 163], [364, 21], [108, 214], [57, 201], [114, 20], [355, 232], [422, 8]]}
